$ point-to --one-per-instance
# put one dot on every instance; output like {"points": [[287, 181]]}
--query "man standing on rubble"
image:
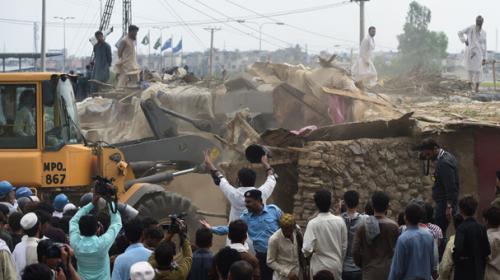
{"points": [[102, 58], [363, 71], [127, 68], [475, 51]]}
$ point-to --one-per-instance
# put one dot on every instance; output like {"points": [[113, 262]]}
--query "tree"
{"points": [[418, 46]]}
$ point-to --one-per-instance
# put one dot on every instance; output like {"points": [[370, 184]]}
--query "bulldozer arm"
{"points": [[185, 151]]}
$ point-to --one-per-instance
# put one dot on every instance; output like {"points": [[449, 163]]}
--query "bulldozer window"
{"points": [[17, 116], [60, 115]]}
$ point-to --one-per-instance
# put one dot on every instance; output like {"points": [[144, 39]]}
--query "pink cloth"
{"points": [[304, 131], [337, 109]]}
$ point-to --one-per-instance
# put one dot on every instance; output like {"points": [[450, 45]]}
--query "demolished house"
{"points": [[374, 150], [321, 130]]}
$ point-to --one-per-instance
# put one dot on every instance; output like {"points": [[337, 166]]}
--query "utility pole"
{"points": [[242, 21], [64, 39], [35, 37], [496, 39], [42, 58], [35, 41], [127, 16], [361, 19], [210, 58], [100, 10]]}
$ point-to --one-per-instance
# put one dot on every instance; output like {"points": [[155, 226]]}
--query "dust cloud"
{"points": [[204, 195]]}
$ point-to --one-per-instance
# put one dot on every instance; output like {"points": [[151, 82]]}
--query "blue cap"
{"points": [[23, 192], [60, 201], [5, 188]]}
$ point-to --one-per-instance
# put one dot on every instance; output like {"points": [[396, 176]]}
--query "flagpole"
{"points": [[161, 58], [149, 48], [172, 57]]}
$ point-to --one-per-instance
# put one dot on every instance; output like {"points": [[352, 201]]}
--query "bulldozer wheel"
{"points": [[159, 204]]}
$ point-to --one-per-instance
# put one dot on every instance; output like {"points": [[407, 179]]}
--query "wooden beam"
{"points": [[357, 95]]}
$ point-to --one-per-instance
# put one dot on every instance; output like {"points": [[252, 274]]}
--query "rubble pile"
{"points": [[365, 165], [449, 111], [418, 82], [299, 98], [118, 120]]}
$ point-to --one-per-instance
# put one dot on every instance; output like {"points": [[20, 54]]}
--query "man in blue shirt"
{"points": [[90, 245], [262, 221], [414, 253], [134, 253]]}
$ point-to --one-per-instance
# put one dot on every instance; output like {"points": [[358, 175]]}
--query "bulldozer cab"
{"points": [[40, 140]]}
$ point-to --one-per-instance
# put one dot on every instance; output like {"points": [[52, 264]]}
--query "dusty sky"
{"points": [[334, 27]]}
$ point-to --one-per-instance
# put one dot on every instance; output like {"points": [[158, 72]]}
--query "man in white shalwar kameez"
{"points": [[475, 51], [127, 68], [363, 71]]}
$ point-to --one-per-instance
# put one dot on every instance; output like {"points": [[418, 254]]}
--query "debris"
{"points": [[357, 95], [486, 97], [419, 82]]}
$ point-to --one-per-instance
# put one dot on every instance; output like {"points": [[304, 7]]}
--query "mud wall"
{"points": [[477, 152], [365, 165]]}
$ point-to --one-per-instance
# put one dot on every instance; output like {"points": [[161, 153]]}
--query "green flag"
{"points": [[157, 44], [145, 41]]}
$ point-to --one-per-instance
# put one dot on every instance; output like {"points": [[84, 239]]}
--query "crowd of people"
{"points": [[58, 240]]}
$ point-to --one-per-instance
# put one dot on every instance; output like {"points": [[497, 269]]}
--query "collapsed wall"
{"points": [[365, 165]]}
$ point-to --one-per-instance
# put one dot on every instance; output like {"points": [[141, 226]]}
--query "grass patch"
{"points": [[489, 84]]}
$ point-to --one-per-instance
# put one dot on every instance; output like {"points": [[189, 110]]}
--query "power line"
{"points": [[86, 33], [194, 22], [225, 23], [175, 14], [235, 20], [303, 29], [73, 41], [296, 27]]}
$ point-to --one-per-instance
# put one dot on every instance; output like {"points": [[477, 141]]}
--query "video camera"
{"points": [[174, 226], [54, 251], [105, 188]]}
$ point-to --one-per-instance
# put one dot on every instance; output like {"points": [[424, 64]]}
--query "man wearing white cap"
{"points": [[69, 207], [25, 252], [142, 271]]}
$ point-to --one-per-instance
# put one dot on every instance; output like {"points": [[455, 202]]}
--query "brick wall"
{"points": [[364, 165]]}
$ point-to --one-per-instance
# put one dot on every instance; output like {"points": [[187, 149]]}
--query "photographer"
{"points": [[90, 243], [57, 257], [162, 258]]}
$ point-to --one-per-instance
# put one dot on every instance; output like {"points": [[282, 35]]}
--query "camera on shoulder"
{"points": [[105, 188], [174, 226], [54, 251]]}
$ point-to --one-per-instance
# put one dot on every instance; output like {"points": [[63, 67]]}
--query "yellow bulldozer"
{"points": [[42, 147]]}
